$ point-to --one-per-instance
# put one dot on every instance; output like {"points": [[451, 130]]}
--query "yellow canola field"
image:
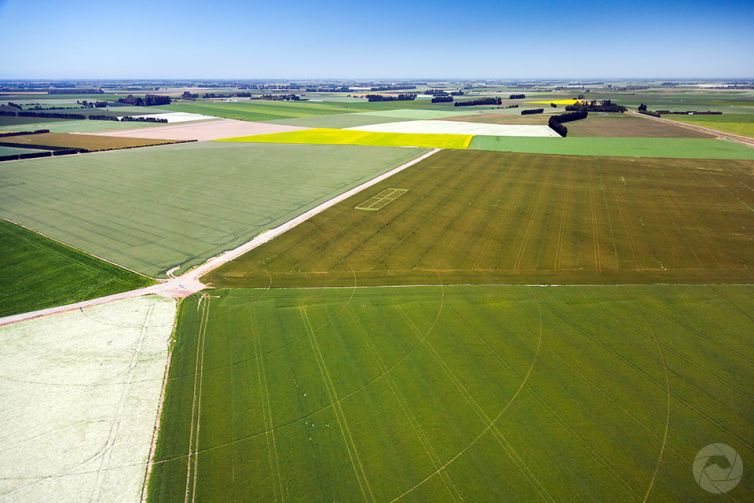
{"points": [[326, 136]]}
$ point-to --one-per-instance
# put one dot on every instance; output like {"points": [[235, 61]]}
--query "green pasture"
{"points": [[36, 273], [691, 148], [483, 393], [742, 124], [153, 209]]}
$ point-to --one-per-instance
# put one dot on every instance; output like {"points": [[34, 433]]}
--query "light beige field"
{"points": [[204, 130], [79, 393]]}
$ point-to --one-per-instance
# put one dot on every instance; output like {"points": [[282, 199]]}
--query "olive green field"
{"points": [[490, 217]]}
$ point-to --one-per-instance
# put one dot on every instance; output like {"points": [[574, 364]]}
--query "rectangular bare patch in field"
{"points": [[381, 200]]}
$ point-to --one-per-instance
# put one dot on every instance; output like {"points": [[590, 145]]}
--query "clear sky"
{"points": [[382, 39]]}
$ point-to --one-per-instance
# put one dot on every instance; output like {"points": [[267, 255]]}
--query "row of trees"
{"points": [[556, 121], [480, 101], [400, 97], [594, 106], [147, 101], [532, 111], [517, 96], [75, 90], [442, 99]]}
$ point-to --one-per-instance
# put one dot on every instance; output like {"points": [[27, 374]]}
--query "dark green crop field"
{"points": [[484, 217], [466, 393], [36, 273]]}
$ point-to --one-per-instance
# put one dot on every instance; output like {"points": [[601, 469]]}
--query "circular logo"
{"points": [[718, 468]]}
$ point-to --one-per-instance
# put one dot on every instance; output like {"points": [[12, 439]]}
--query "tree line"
{"points": [[556, 121], [480, 101], [400, 97]]}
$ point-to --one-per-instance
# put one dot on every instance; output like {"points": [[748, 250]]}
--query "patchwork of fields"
{"points": [[511, 318], [454, 393], [154, 209]]}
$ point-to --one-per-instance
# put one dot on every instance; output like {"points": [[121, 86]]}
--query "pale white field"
{"points": [[173, 117], [204, 130], [453, 127], [79, 393]]}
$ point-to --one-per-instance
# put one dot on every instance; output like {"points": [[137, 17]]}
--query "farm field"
{"points": [[628, 126], [488, 217], [265, 110], [37, 273], [742, 124], [339, 120], [80, 392], [85, 141], [688, 148], [457, 127], [203, 130], [494, 118], [324, 136], [13, 150], [455, 393], [11, 121], [76, 126], [178, 205]]}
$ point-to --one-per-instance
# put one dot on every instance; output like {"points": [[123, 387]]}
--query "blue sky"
{"points": [[385, 39]]}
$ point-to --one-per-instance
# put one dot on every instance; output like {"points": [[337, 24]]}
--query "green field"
{"points": [[275, 111], [481, 393], [14, 150], [36, 273], [489, 217], [742, 124], [266, 110], [629, 126], [152, 209], [76, 126], [12, 121], [688, 148], [325, 136]]}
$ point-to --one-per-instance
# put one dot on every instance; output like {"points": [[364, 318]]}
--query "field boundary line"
{"points": [[75, 249], [189, 283], [743, 140], [160, 403]]}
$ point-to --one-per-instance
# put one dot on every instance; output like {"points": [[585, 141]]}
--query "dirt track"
{"points": [[744, 140], [188, 283]]}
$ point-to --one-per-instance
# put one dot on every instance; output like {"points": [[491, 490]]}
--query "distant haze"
{"points": [[387, 39]]}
